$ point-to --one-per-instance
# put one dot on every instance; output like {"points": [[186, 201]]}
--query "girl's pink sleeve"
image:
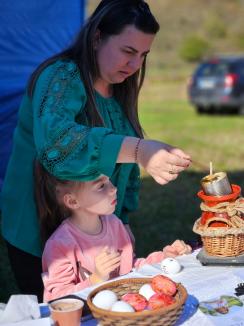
{"points": [[178, 247], [153, 258], [60, 272]]}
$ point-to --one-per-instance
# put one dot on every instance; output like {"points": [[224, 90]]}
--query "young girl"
{"points": [[91, 245]]}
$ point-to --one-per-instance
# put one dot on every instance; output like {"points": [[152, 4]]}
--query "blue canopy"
{"points": [[30, 32]]}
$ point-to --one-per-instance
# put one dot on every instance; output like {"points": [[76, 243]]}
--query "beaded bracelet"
{"points": [[136, 150]]}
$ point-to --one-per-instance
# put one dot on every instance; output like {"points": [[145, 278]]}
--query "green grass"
{"points": [[170, 118]]}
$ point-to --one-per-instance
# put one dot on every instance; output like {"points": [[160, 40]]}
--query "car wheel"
{"points": [[241, 110], [200, 109]]}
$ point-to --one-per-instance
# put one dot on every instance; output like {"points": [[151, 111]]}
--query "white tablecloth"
{"points": [[202, 283]]}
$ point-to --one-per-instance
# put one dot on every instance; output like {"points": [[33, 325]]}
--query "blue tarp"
{"points": [[30, 32]]}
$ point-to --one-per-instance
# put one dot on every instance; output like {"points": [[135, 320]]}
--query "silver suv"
{"points": [[218, 85]]}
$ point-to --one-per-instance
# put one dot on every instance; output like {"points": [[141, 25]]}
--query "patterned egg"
{"points": [[170, 266]]}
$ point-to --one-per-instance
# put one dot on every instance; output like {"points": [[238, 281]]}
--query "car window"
{"points": [[239, 68], [213, 69]]}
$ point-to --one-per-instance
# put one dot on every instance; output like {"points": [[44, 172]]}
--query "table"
{"points": [[202, 283]]}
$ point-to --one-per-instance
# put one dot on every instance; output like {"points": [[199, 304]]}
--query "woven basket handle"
{"points": [[217, 219]]}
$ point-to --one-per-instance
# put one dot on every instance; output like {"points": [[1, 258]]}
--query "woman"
{"points": [[79, 118]]}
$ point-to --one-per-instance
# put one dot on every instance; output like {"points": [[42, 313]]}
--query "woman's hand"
{"points": [[105, 263], [162, 161]]}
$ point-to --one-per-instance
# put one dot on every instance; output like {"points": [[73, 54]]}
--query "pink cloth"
{"points": [[69, 246]]}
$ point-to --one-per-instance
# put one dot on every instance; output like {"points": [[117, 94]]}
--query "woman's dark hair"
{"points": [[49, 192], [110, 18]]}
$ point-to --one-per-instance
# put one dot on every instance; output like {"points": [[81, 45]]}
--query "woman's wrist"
{"points": [[142, 153], [137, 148], [129, 151]]}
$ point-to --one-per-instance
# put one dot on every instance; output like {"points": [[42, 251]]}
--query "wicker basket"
{"points": [[162, 316], [221, 241]]}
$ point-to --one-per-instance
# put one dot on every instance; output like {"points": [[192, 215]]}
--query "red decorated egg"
{"points": [[163, 285], [136, 300], [160, 300]]}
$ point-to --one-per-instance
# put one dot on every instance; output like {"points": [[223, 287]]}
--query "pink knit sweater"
{"points": [[69, 255]]}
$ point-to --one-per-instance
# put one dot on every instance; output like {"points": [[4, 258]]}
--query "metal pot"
{"points": [[216, 184]]}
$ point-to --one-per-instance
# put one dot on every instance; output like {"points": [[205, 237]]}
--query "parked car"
{"points": [[218, 85]]}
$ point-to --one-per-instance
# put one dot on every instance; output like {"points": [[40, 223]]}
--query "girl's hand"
{"points": [[178, 247], [105, 263], [162, 161]]}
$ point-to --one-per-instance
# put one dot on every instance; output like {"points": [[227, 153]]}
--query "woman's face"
{"points": [[120, 56]]}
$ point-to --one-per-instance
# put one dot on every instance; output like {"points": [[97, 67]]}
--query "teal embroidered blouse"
{"points": [[50, 127]]}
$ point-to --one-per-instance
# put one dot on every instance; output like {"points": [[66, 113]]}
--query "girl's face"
{"points": [[96, 197], [120, 56]]}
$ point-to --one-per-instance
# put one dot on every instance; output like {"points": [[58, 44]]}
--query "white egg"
{"points": [[122, 306], [170, 266], [105, 299], [147, 291]]}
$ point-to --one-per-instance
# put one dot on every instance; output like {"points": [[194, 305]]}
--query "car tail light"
{"points": [[230, 80]]}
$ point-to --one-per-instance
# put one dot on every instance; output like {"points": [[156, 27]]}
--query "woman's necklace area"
{"points": [[105, 91]]}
